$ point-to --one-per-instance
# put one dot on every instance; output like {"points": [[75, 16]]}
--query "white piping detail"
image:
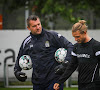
{"points": [[73, 53], [94, 72], [97, 53], [26, 41]]}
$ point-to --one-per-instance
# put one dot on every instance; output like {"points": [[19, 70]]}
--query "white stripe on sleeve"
{"points": [[73, 53], [26, 41], [97, 53]]}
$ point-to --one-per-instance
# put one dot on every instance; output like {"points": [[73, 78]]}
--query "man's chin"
{"points": [[78, 42], [38, 33]]}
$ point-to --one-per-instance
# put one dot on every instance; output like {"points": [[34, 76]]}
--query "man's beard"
{"points": [[83, 40]]}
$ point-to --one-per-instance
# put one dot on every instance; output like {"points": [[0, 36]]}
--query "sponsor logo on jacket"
{"points": [[83, 55]]}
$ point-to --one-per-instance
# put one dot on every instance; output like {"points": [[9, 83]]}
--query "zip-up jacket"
{"points": [[41, 48]]}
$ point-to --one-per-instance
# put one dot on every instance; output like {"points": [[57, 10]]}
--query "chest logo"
{"points": [[47, 44], [83, 55]]}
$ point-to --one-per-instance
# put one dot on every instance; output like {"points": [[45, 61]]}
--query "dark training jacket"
{"points": [[41, 48], [85, 57]]}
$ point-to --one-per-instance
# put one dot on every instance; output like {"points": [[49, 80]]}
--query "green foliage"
{"points": [[70, 10], [65, 8]]}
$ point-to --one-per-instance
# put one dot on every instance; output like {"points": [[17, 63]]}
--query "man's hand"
{"points": [[61, 68], [21, 76], [56, 86]]}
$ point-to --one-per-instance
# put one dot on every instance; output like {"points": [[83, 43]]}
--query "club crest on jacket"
{"points": [[47, 44]]}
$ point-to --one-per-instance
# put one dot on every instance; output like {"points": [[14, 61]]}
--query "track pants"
{"points": [[44, 87]]}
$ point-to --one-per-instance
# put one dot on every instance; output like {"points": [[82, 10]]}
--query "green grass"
{"points": [[70, 88], [30, 89]]}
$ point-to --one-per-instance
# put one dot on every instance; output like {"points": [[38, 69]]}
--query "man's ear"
{"points": [[28, 28], [85, 32]]}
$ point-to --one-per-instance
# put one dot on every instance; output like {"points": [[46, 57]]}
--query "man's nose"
{"points": [[37, 26]]}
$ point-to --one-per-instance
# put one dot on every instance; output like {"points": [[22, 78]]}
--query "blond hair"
{"points": [[80, 25]]}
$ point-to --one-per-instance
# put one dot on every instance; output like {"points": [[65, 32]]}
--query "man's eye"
{"points": [[34, 26], [77, 37]]}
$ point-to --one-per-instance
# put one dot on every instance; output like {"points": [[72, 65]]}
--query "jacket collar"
{"points": [[38, 36]]}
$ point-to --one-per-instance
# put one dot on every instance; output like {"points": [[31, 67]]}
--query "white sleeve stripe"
{"points": [[73, 53], [97, 53], [94, 72], [26, 41]]}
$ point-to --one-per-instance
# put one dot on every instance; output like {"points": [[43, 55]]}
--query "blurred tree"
{"points": [[71, 10], [65, 8]]}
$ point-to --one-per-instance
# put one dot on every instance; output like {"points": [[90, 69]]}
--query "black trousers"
{"points": [[89, 86]]}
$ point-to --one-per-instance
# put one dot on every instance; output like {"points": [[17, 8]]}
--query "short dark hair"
{"points": [[31, 17]]}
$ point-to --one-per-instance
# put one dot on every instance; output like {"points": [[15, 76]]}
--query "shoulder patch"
{"points": [[59, 35]]}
